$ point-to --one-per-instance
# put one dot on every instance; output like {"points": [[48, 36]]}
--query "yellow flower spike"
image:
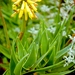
{"points": [[21, 10], [17, 2], [26, 7]]}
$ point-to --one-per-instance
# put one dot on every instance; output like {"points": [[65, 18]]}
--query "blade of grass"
{"points": [[32, 57]]}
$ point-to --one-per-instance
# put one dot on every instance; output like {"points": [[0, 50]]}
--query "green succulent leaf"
{"points": [[32, 56], [12, 66], [59, 73], [19, 65], [52, 56], [44, 43], [13, 60], [62, 52], [21, 49]]}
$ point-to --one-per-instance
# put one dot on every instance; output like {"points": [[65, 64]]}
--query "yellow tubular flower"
{"points": [[34, 14], [33, 7], [21, 10], [20, 13], [29, 11]]}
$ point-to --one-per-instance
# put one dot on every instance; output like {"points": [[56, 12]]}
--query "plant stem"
{"points": [[5, 30], [23, 28], [24, 25]]}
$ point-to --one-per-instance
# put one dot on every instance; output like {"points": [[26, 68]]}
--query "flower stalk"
{"points": [[23, 28]]}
